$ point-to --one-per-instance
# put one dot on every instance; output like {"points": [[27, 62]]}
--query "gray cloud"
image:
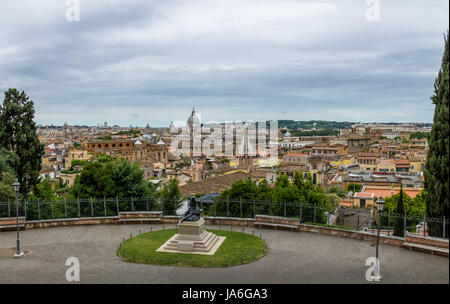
{"points": [[232, 60]]}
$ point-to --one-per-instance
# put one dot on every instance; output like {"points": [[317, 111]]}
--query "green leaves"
{"points": [[437, 166], [18, 135], [110, 177], [171, 197]]}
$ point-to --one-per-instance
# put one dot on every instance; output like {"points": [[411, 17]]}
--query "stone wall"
{"points": [[230, 221], [428, 241], [72, 222], [249, 222]]}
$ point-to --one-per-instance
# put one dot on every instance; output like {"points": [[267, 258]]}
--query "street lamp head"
{"points": [[16, 186], [380, 204]]}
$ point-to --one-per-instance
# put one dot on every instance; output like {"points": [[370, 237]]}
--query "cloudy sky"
{"points": [[133, 62]]}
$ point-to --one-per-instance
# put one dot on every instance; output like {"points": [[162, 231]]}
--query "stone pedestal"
{"points": [[192, 238]]}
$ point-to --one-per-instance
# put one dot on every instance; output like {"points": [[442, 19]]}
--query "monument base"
{"points": [[192, 238]]}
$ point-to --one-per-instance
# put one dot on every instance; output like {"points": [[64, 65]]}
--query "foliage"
{"points": [[323, 132], [437, 166], [399, 227], [354, 187], [78, 162], [44, 191], [106, 176], [336, 190], [419, 135], [132, 132], [284, 198], [171, 197], [7, 193], [8, 161], [18, 135]]}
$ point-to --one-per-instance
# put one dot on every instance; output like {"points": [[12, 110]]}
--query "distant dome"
{"points": [[160, 142], [193, 119], [288, 134]]}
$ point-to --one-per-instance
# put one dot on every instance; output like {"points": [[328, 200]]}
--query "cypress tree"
{"points": [[18, 135], [436, 169]]}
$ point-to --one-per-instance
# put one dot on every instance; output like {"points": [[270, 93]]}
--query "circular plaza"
{"points": [[291, 257]]}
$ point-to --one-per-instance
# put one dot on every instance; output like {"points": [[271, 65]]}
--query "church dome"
{"points": [[193, 120]]}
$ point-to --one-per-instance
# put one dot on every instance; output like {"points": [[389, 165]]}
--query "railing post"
{"points": [[342, 217], [301, 212], [25, 209], [424, 225], [9, 209], [284, 208], [270, 209], [228, 208], [39, 210], [92, 208], [214, 206], [389, 222], [79, 211], [443, 228], [117, 205], [65, 207], [314, 219], [51, 204], [146, 200], [132, 204], [404, 225], [104, 204], [357, 212], [254, 209], [240, 206]]}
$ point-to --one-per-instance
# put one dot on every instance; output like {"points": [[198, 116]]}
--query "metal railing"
{"points": [[344, 218]]}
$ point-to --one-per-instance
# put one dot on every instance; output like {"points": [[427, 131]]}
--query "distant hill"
{"points": [[317, 124]]}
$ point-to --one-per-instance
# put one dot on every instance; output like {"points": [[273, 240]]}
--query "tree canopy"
{"points": [[437, 166], [18, 135], [106, 176]]}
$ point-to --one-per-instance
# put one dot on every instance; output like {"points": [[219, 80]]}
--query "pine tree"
{"points": [[18, 135], [400, 212], [436, 170]]}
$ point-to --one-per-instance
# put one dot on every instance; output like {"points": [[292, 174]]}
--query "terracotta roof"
{"points": [[387, 192], [402, 162]]}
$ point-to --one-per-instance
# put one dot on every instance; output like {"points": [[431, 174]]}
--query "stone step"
{"points": [[426, 248], [205, 240], [207, 246]]}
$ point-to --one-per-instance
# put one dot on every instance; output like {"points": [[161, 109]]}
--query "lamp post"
{"points": [[16, 186], [380, 206]]}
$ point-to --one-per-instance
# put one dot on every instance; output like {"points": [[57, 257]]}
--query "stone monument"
{"points": [[191, 236]]}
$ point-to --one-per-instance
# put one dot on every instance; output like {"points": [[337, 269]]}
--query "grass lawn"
{"points": [[238, 248]]}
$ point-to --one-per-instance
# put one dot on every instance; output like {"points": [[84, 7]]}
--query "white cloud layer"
{"points": [[133, 62]]}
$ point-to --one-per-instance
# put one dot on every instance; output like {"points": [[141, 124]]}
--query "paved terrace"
{"points": [[294, 257]]}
